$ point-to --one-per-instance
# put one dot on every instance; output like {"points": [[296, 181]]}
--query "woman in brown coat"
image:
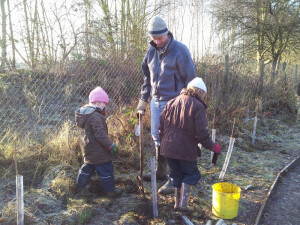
{"points": [[183, 125]]}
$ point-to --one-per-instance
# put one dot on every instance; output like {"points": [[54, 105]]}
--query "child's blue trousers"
{"points": [[183, 171], [105, 172]]}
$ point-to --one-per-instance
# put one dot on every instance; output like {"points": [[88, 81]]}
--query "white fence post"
{"points": [[19, 200], [225, 165], [254, 130]]}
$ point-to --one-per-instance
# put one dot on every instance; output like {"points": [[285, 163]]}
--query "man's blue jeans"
{"points": [[156, 109], [105, 172]]}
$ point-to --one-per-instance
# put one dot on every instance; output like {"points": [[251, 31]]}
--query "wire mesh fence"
{"points": [[38, 102]]}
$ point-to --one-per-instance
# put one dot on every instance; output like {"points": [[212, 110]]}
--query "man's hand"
{"points": [[141, 108]]}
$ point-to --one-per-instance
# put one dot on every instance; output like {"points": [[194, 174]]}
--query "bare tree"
{"points": [[284, 30], [29, 36], [3, 41], [13, 46], [87, 15], [255, 23], [66, 46]]}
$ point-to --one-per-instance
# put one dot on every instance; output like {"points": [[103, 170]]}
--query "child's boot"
{"points": [[116, 193], [184, 196], [176, 198]]}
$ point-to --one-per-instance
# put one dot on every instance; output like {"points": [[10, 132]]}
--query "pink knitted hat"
{"points": [[98, 95]]}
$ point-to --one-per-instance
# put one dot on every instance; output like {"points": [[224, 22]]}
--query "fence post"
{"points": [[284, 72], [296, 76], [254, 130], [226, 80], [19, 200], [247, 115]]}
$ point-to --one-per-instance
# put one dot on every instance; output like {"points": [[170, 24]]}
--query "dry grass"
{"points": [[52, 161], [254, 165]]}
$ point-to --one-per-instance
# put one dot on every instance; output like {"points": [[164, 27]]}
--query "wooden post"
{"points": [[213, 137], [153, 187], [19, 200], [220, 222], [254, 130], [153, 183], [247, 115], [296, 76], [284, 73], [208, 222], [226, 80], [186, 220], [213, 154], [228, 155]]}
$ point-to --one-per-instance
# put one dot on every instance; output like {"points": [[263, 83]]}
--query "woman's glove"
{"points": [[217, 149], [114, 149]]}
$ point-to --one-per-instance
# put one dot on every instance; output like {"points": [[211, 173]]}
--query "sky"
{"points": [[199, 39]]}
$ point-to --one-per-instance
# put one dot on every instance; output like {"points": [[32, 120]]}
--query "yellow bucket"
{"points": [[225, 200]]}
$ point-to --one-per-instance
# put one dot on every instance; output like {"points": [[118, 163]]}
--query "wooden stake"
{"points": [[19, 200], [214, 120], [228, 155], [213, 137], [232, 128], [186, 220], [226, 162], [153, 181], [254, 130]]}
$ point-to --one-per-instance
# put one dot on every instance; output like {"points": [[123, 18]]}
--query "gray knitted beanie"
{"points": [[157, 27]]}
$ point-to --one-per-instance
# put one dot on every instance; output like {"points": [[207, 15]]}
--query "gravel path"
{"points": [[283, 206]]}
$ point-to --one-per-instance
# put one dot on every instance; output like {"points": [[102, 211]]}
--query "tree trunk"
{"points": [[273, 73], [107, 19], [35, 34], [13, 46], [28, 36], [3, 41], [87, 38], [284, 73], [260, 36], [261, 77], [226, 81], [49, 52]]}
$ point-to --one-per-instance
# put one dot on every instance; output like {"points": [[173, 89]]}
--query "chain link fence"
{"points": [[40, 102], [36, 103]]}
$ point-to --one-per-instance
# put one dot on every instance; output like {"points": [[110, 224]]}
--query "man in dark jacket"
{"points": [[183, 125], [167, 67]]}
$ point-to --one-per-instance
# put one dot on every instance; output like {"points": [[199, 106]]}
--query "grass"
{"points": [[53, 166], [49, 158]]}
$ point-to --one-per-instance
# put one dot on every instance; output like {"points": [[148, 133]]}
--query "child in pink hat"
{"points": [[96, 147]]}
